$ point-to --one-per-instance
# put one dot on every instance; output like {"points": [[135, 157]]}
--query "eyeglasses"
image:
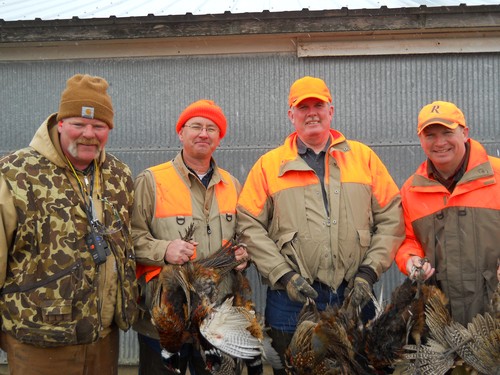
{"points": [[196, 128]]}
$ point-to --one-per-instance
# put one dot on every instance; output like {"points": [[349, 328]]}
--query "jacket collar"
{"points": [[478, 172], [291, 160], [185, 172]]}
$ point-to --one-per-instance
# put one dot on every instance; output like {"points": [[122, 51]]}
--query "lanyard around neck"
{"points": [[89, 207]]}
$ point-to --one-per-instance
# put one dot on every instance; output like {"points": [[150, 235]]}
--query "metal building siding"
{"points": [[376, 100]]}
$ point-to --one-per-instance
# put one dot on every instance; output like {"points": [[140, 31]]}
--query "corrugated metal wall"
{"points": [[376, 100]]}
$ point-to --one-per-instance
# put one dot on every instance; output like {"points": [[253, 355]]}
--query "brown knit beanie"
{"points": [[203, 108], [86, 96]]}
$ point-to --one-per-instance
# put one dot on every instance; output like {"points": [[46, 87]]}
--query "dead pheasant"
{"points": [[323, 343], [207, 303], [476, 346], [414, 332], [337, 341], [401, 323]]}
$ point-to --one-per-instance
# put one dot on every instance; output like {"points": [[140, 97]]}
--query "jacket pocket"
{"points": [[56, 310], [43, 313], [492, 283], [354, 255], [303, 255], [365, 238]]}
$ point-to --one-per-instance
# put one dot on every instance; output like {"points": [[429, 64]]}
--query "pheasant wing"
{"points": [[225, 327]]}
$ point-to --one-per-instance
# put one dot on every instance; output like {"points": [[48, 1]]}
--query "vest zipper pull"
{"points": [[209, 231]]}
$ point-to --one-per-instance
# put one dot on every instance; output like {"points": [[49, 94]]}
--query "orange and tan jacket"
{"points": [[458, 232], [285, 224], [169, 199]]}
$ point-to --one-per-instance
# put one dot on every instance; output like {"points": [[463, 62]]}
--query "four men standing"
{"points": [[320, 214]]}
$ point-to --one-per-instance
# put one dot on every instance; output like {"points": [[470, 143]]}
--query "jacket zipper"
{"points": [[38, 284]]}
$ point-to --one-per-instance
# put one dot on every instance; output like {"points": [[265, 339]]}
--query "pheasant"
{"points": [[299, 357], [477, 346], [337, 341], [207, 303], [401, 323], [323, 342], [415, 332], [450, 343]]}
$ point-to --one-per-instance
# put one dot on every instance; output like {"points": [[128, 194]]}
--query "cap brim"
{"points": [[307, 96], [438, 121]]}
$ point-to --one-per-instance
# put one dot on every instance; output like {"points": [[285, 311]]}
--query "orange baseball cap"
{"points": [[308, 87], [443, 113]]}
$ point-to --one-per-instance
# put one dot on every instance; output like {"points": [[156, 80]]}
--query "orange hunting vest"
{"points": [[172, 203]]}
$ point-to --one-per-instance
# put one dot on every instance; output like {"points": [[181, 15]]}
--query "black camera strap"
{"points": [[96, 243]]}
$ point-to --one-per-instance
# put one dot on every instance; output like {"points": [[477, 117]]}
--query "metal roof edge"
{"points": [[266, 22], [266, 14]]}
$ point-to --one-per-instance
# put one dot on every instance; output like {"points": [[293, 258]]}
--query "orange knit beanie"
{"points": [[203, 108], [86, 96]]}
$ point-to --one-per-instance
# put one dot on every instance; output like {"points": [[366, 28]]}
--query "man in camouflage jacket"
{"points": [[67, 267]]}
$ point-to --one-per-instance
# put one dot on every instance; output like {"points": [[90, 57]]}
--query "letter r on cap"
{"points": [[435, 109]]}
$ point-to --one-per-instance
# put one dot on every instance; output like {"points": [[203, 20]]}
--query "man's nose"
{"points": [[204, 130], [88, 131], [440, 139]]}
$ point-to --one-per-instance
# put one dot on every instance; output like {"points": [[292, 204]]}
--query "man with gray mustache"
{"points": [[67, 266]]}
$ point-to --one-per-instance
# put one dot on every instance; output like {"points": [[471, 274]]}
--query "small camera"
{"points": [[97, 246]]}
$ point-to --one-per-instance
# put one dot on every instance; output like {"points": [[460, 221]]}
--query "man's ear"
{"points": [[466, 134]]}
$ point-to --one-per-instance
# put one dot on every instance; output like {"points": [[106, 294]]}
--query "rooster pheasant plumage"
{"points": [[208, 304], [414, 332]]}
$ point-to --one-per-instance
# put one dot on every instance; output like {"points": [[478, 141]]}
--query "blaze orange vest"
{"points": [[175, 203]]}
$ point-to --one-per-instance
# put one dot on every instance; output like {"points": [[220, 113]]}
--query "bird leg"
{"points": [[416, 272], [188, 235]]}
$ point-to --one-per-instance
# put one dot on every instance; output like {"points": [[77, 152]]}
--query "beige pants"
{"points": [[99, 358]]}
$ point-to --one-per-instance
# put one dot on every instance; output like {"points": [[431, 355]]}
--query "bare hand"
{"points": [[241, 253], [179, 251], [419, 268]]}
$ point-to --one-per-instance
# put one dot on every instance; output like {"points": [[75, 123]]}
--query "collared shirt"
{"points": [[205, 179], [450, 182], [317, 163]]}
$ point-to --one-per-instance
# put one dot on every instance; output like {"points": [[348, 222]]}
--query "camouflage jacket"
{"points": [[52, 292]]}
